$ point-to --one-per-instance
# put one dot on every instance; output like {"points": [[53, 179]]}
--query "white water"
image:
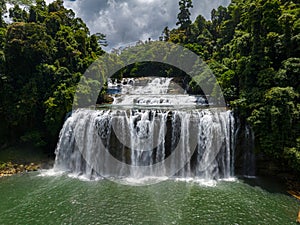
{"points": [[159, 142], [151, 92], [154, 86]]}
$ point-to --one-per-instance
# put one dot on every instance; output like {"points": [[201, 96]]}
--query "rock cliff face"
{"points": [[249, 161], [245, 157]]}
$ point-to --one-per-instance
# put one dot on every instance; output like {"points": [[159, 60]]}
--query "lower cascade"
{"points": [[140, 142]]}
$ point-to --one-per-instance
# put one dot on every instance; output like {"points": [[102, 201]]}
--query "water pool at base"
{"points": [[32, 199]]}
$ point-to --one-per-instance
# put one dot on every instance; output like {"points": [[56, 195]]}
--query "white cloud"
{"points": [[127, 21]]}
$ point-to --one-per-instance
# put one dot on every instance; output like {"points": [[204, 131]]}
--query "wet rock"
{"points": [[8, 169]]}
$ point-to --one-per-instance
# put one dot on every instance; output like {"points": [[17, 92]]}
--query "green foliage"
{"points": [[278, 113], [57, 106], [35, 138], [183, 17], [292, 155], [17, 14], [253, 49], [43, 54]]}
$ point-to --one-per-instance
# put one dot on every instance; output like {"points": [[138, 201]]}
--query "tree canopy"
{"points": [[43, 54], [253, 49]]}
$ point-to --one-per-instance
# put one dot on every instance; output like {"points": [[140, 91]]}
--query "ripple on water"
{"points": [[34, 199]]}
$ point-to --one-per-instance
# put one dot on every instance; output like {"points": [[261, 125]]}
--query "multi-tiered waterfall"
{"points": [[153, 129]]}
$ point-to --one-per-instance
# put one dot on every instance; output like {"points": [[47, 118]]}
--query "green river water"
{"points": [[34, 199]]}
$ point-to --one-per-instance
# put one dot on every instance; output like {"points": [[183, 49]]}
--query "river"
{"points": [[35, 199]]}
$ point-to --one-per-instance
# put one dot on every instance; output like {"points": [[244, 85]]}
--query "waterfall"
{"points": [[143, 141]]}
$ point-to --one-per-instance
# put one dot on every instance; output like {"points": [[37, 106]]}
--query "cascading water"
{"points": [[155, 137]]}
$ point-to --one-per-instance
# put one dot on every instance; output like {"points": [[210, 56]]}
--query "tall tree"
{"points": [[184, 20], [17, 14], [166, 34]]}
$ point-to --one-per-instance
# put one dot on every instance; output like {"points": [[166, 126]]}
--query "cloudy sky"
{"points": [[127, 21]]}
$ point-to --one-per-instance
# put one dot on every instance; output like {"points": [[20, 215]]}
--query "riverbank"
{"points": [[293, 186], [23, 159], [9, 169]]}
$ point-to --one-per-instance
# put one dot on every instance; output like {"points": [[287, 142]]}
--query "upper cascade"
{"points": [[151, 91]]}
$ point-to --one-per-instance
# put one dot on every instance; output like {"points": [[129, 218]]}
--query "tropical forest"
{"points": [[196, 163]]}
